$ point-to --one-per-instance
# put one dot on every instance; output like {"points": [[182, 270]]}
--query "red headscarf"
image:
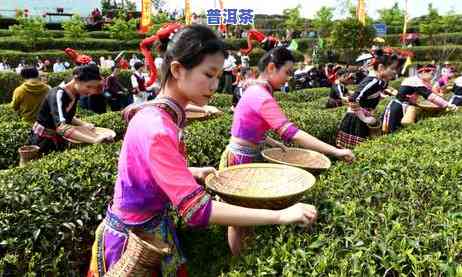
{"points": [[163, 34], [77, 58]]}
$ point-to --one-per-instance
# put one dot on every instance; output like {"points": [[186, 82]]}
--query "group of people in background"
{"points": [[115, 96], [237, 74], [361, 120], [60, 65], [43, 66]]}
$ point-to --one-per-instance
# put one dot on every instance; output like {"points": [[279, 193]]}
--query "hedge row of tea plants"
{"points": [[12, 43], [448, 38], [59, 238], [15, 57], [14, 133], [395, 211], [305, 108], [60, 33], [97, 40]]}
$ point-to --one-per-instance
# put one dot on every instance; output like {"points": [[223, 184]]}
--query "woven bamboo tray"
{"points": [[199, 116], [429, 107], [96, 131], [261, 185], [196, 115], [310, 160]]}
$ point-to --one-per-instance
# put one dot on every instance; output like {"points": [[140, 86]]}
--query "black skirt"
{"points": [[47, 145], [237, 94], [352, 131], [456, 100]]}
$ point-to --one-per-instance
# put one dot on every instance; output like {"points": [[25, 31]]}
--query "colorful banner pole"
{"points": [[361, 11], [187, 11], [145, 23], [406, 18], [222, 7]]}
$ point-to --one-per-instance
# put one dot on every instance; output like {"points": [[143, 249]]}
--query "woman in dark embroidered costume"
{"points": [[354, 127], [153, 175], [339, 92], [410, 90], [56, 121]]}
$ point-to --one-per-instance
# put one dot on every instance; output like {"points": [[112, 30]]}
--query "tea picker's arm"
{"points": [[308, 141], [274, 143], [227, 214], [432, 97]]}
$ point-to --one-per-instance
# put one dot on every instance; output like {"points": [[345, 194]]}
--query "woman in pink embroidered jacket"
{"points": [[257, 113], [153, 176]]}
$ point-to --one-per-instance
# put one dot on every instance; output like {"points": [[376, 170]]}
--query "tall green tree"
{"points": [[431, 25], [29, 29], [352, 35], [393, 16], [75, 27], [437, 28], [323, 21], [294, 21], [122, 29]]}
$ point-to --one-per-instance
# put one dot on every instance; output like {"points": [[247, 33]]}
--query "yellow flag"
{"points": [[361, 11], [187, 11], [406, 65], [145, 23], [406, 18]]}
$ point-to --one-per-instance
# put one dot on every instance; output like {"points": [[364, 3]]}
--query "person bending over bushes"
{"points": [[56, 119]]}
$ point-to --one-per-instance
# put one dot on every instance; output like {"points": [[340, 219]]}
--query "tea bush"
{"points": [[395, 212]]}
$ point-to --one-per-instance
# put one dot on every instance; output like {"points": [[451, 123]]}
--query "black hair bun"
{"points": [[88, 72]]}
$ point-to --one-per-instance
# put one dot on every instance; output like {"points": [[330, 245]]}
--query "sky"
{"points": [[309, 7]]}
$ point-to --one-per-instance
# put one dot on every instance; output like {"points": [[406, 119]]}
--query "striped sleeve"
{"points": [[363, 92], [57, 108]]}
